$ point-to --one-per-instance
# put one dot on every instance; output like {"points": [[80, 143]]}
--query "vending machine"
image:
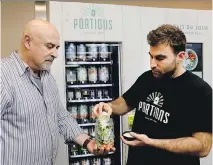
{"points": [[92, 75]]}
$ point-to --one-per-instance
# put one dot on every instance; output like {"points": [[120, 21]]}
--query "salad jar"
{"points": [[104, 131]]}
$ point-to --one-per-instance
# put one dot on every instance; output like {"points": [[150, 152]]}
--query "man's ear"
{"points": [[27, 41], [180, 57]]}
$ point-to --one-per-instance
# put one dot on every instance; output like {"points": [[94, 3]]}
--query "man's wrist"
{"points": [[111, 106], [86, 142]]}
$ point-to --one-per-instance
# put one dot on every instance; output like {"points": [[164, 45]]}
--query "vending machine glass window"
{"points": [[92, 76]]}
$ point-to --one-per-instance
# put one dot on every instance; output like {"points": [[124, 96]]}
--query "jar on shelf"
{"points": [[92, 74], [105, 93], [81, 52], [92, 132], [70, 95], [99, 93], [103, 51], [92, 52], [91, 114], [78, 94], [83, 151], [75, 163], [83, 114], [71, 77], [103, 73], [107, 161], [85, 93], [92, 93], [73, 149], [95, 161], [85, 162], [82, 75], [70, 52]]}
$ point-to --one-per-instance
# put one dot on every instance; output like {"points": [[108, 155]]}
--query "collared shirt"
{"points": [[37, 79], [31, 120]]}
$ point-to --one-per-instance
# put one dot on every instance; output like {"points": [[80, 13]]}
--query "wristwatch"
{"points": [[86, 143]]}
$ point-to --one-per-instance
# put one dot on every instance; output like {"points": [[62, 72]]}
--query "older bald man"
{"points": [[32, 115]]}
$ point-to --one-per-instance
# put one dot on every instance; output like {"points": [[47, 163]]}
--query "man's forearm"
{"points": [[187, 145], [81, 139]]}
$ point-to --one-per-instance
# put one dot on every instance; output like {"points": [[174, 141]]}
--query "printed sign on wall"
{"points": [[84, 21], [194, 58], [191, 22]]}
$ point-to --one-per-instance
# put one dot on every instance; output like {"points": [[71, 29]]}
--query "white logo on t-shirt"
{"points": [[156, 98], [153, 109]]}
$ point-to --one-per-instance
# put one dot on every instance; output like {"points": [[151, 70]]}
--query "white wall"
{"points": [[14, 16]]}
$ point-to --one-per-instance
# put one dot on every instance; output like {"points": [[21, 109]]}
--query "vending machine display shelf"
{"points": [[89, 100], [71, 63], [86, 155], [87, 124], [89, 85]]}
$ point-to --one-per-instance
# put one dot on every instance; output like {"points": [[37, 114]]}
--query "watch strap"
{"points": [[86, 143]]}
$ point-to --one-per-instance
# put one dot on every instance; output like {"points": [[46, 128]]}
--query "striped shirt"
{"points": [[31, 120]]}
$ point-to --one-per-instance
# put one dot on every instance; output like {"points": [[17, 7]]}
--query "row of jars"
{"points": [[93, 161], [75, 149], [83, 113], [91, 74], [88, 93], [87, 52]]}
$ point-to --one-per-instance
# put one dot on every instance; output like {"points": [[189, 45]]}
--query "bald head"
{"points": [[39, 28], [40, 43]]}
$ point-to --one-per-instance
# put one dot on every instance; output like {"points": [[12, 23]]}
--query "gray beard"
{"points": [[45, 66]]}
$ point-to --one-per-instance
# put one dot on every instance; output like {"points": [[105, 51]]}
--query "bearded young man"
{"points": [[173, 120]]}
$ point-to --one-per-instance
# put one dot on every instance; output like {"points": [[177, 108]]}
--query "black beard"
{"points": [[167, 75]]}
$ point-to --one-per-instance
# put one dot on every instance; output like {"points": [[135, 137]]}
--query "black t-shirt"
{"points": [[168, 108]]}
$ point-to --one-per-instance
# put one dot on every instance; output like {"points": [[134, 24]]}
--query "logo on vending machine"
{"points": [[92, 18], [93, 11]]}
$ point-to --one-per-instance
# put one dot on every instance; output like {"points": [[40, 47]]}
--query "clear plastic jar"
{"points": [[81, 52], [107, 161], [82, 75], [104, 131], [103, 74], [103, 50], [92, 74], [71, 52]]}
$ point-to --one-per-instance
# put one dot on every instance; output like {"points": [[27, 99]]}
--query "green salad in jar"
{"points": [[104, 131]]}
